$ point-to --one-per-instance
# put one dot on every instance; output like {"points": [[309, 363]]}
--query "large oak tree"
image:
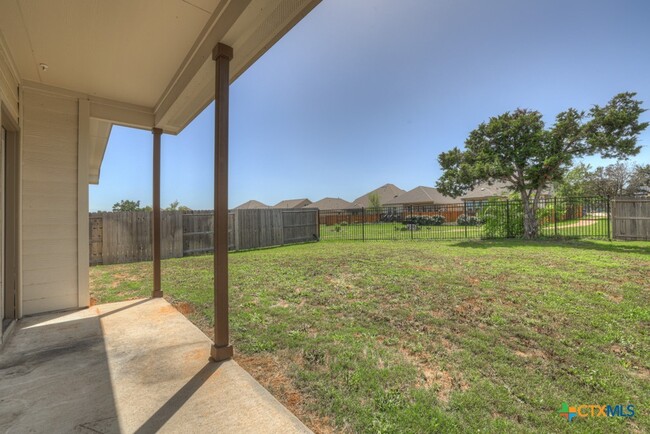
{"points": [[517, 148]]}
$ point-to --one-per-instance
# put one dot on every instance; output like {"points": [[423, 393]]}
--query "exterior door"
{"points": [[8, 223], [3, 308]]}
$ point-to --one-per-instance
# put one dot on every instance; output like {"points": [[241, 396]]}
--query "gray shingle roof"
{"points": [[292, 203], [422, 194], [484, 190], [330, 203], [252, 204], [386, 193]]}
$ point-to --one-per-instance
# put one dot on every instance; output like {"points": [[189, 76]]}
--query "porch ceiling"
{"points": [[144, 63], [123, 50]]}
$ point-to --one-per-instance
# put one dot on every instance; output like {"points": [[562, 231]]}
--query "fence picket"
{"points": [[122, 237]]}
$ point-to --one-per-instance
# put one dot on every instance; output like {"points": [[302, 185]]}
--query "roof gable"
{"points": [[292, 203], [252, 204], [386, 192], [423, 195], [330, 203]]}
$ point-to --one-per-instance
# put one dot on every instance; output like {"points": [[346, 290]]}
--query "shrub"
{"points": [[344, 223], [435, 220], [502, 219], [464, 220], [547, 214], [337, 228]]}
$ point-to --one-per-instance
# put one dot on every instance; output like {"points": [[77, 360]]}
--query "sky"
{"points": [[362, 93]]}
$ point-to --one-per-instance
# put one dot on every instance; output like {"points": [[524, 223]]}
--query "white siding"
{"points": [[49, 209]]}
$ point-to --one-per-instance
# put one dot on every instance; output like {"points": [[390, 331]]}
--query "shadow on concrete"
{"points": [[130, 306], [169, 408], [135, 366], [54, 377]]}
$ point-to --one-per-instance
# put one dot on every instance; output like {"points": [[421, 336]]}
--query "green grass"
{"points": [[576, 228], [397, 231], [584, 227], [468, 336]]}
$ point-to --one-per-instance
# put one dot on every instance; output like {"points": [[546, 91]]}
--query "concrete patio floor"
{"points": [[136, 366]]}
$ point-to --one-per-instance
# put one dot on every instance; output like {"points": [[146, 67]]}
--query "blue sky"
{"points": [[365, 92]]}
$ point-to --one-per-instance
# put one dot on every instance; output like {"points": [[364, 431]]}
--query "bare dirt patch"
{"points": [[615, 298], [448, 345], [282, 303], [531, 353], [642, 373], [184, 307], [433, 376], [470, 307], [272, 374]]}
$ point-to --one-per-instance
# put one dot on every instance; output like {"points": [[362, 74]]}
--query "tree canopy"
{"points": [[517, 148], [619, 179], [375, 202], [128, 205], [176, 206]]}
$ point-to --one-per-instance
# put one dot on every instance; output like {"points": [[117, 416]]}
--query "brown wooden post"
{"points": [[157, 290], [221, 350]]}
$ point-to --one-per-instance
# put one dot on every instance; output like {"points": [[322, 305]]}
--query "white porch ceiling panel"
{"points": [[141, 63], [124, 50]]}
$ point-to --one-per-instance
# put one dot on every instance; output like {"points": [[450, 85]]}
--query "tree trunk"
{"points": [[530, 221], [531, 227]]}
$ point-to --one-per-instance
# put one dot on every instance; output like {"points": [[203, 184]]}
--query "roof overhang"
{"points": [[141, 63]]}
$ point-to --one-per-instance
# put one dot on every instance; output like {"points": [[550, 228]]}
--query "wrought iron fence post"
{"points": [[609, 233], [555, 214], [466, 216], [411, 225], [363, 224], [507, 218]]}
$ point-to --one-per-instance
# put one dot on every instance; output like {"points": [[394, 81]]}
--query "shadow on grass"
{"points": [[639, 247]]}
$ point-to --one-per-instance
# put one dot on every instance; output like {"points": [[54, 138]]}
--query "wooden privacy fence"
{"points": [[631, 218], [122, 237]]}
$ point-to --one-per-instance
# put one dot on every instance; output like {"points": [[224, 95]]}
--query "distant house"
{"points": [[292, 203], [421, 197], [332, 203], [334, 210], [252, 204], [484, 191], [386, 193]]}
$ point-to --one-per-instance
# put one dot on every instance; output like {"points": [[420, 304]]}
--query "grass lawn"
{"points": [[430, 336], [393, 231], [575, 228]]}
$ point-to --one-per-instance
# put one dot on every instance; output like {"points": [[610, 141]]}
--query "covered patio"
{"points": [[136, 366], [69, 72]]}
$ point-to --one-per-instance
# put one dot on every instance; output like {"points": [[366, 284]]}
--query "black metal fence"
{"points": [[574, 217]]}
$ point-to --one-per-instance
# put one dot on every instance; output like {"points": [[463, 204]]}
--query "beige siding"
{"points": [[50, 245], [8, 83]]}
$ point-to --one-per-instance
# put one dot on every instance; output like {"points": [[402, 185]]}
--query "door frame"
{"points": [[10, 227]]}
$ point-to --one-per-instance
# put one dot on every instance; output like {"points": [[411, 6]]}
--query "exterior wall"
{"points": [[8, 82], [49, 129], [8, 117]]}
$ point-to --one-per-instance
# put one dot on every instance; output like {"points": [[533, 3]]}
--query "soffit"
{"points": [[123, 50]]}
